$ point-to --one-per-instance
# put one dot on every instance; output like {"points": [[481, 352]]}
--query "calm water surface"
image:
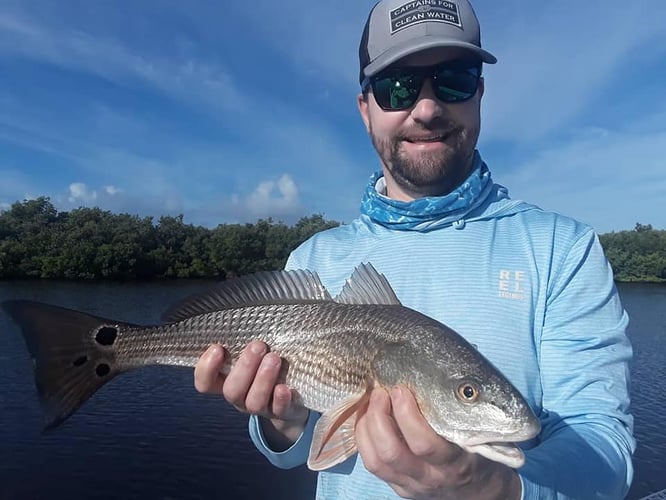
{"points": [[149, 435]]}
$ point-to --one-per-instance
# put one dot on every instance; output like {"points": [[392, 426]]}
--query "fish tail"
{"points": [[73, 354]]}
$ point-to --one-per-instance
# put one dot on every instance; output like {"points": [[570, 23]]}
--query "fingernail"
{"points": [[376, 395], [396, 394], [271, 360], [258, 347], [214, 352]]}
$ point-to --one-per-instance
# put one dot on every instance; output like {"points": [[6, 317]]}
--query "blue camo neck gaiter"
{"points": [[425, 214]]}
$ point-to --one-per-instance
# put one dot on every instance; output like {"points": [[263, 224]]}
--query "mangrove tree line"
{"points": [[38, 241]]}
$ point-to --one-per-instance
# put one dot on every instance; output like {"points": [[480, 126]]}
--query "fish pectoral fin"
{"points": [[334, 441]]}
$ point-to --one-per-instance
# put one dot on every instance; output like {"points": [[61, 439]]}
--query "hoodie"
{"points": [[532, 290]]}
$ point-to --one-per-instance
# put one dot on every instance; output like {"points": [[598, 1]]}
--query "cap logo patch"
{"points": [[421, 11]]}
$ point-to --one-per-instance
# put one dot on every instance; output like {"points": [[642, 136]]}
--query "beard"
{"points": [[429, 173]]}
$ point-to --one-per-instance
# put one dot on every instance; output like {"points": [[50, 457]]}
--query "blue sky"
{"points": [[234, 111]]}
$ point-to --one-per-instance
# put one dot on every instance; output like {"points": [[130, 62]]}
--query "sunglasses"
{"points": [[398, 88]]}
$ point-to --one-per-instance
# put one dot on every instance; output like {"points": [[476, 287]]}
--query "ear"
{"points": [[362, 102], [482, 87]]}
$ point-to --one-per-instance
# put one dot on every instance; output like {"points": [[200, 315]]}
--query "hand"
{"points": [[398, 445], [251, 386]]}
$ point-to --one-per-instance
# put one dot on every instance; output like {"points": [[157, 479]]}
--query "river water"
{"points": [[150, 435]]}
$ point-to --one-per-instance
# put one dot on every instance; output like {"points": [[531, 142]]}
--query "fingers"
{"points": [[283, 402], [259, 393], [241, 377], [251, 384], [379, 441], [396, 442], [207, 376], [398, 445], [423, 441]]}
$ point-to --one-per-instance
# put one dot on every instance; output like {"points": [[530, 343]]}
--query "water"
{"points": [[646, 305], [147, 435], [150, 435]]}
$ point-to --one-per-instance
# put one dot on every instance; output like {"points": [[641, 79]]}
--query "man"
{"points": [[531, 289]]}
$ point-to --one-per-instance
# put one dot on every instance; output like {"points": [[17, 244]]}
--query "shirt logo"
{"points": [[512, 285], [421, 11]]}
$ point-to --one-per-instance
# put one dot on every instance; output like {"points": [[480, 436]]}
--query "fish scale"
{"points": [[328, 357]]}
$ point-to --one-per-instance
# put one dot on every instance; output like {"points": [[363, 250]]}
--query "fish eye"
{"points": [[468, 392]]}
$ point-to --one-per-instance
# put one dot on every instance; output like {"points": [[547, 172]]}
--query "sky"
{"points": [[229, 112]]}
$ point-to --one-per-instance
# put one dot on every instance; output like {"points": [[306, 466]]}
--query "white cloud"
{"points": [[79, 192], [280, 196], [270, 198], [119, 200], [278, 199]]}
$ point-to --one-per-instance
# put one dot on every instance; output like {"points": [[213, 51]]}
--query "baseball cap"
{"points": [[397, 28]]}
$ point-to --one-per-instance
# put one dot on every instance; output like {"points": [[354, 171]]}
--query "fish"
{"points": [[335, 351]]}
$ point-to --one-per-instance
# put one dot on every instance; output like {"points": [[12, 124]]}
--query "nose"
{"points": [[427, 107]]}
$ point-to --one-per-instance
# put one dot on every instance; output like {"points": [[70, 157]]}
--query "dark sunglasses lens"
{"points": [[456, 85], [396, 92]]}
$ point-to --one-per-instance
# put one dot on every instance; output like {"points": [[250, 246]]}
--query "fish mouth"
{"points": [[506, 453], [504, 449], [522, 432]]}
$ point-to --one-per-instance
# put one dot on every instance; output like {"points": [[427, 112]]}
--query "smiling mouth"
{"points": [[417, 140]]}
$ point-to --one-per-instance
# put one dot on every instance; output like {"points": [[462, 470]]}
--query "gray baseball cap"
{"points": [[397, 28]]}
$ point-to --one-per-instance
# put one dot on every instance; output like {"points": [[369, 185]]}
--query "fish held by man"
{"points": [[336, 350]]}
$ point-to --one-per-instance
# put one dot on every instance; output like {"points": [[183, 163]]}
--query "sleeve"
{"points": [[292, 457], [586, 443]]}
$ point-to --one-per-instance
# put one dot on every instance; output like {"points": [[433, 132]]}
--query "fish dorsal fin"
{"points": [[367, 286], [266, 287], [334, 440]]}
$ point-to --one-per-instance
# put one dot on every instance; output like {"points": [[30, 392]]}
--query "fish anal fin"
{"points": [[334, 441]]}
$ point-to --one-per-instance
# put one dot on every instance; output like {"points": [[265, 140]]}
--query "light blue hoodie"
{"points": [[532, 290]]}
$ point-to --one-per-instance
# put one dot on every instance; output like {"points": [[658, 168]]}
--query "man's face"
{"points": [[426, 150]]}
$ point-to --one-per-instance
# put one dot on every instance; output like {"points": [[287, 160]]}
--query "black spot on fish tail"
{"points": [[102, 370], [80, 361], [106, 335], [73, 354]]}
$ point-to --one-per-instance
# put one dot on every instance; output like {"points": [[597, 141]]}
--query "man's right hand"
{"points": [[252, 387]]}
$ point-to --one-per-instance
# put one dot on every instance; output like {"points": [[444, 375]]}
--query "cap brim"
{"points": [[427, 42]]}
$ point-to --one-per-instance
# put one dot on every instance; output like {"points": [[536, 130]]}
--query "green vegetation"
{"points": [[638, 255], [37, 241]]}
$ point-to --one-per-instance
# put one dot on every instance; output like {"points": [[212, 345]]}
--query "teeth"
{"points": [[429, 139]]}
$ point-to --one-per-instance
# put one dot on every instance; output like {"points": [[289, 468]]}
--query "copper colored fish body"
{"points": [[334, 350]]}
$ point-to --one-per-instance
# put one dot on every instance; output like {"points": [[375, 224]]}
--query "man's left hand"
{"points": [[398, 445]]}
